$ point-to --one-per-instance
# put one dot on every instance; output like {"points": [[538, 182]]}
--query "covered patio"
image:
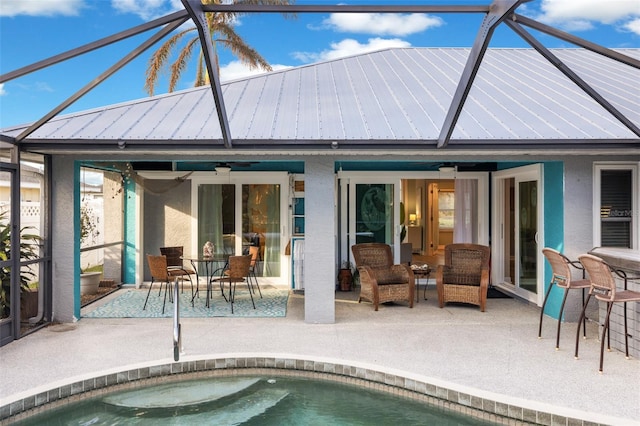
{"points": [[388, 115]]}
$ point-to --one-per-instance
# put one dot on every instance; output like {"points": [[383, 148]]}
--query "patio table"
{"points": [[421, 271], [212, 264]]}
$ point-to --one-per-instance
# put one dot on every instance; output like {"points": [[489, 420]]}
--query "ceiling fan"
{"points": [[461, 166], [225, 166], [235, 163]]}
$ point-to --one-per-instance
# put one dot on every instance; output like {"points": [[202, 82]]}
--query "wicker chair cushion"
{"points": [[465, 268], [453, 276], [390, 276]]}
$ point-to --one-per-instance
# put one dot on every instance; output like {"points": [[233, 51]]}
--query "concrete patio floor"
{"points": [[495, 353]]}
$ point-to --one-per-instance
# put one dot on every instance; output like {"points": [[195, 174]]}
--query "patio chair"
{"points": [[561, 277], [237, 272], [159, 272], [253, 252], [175, 264], [603, 286], [380, 280], [464, 277]]}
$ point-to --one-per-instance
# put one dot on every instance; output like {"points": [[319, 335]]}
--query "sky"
{"points": [[33, 30]]}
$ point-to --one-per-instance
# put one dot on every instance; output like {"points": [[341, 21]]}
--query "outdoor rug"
{"points": [[129, 305]]}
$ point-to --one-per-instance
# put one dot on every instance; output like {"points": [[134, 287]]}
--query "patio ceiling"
{"points": [[467, 86]]}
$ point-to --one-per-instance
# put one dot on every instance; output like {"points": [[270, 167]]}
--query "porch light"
{"points": [[223, 170]]}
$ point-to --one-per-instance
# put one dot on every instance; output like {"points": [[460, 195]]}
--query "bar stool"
{"points": [[603, 285], [561, 276]]}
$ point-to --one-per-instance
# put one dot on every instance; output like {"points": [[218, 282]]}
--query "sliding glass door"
{"points": [[239, 213], [517, 232]]}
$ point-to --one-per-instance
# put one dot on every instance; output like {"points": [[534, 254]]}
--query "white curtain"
{"points": [[465, 219]]}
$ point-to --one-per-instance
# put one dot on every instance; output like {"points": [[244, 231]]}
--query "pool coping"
{"points": [[493, 407]]}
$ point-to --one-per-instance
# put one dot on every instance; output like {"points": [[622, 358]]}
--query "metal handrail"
{"points": [[177, 334]]}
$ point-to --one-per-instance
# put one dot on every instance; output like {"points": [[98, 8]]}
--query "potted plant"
{"points": [[345, 276], [89, 276], [29, 250]]}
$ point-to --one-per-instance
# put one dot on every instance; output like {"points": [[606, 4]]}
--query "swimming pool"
{"points": [[251, 400], [438, 393]]}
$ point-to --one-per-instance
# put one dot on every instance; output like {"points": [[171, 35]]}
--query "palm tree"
{"points": [[222, 32]]}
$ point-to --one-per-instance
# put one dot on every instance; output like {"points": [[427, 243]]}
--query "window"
{"points": [[446, 204], [616, 205]]}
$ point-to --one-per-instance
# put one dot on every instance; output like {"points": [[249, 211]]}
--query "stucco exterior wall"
{"points": [[578, 199], [65, 299], [167, 221], [320, 241], [113, 229], [578, 222]]}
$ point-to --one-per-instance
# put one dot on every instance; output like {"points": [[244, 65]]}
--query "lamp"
{"points": [[223, 169], [447, 169], [412, 219]]}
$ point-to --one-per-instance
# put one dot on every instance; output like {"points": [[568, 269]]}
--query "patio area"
{"points": [[494, 355]]}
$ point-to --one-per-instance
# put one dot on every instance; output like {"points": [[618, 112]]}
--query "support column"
{"points": [[65, 255], [320, 242]]}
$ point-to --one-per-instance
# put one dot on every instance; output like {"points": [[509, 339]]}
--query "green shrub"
{"points": [[29, 250]]}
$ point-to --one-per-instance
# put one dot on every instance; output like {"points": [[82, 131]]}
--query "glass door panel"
{"points": [[216, 217], [261, 226], [369, 211], [528, 230], [374, 218]]}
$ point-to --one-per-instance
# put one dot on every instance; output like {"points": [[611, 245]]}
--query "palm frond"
{"points": [[180, 64], [245, 53], [159, 59], [220, 24]]}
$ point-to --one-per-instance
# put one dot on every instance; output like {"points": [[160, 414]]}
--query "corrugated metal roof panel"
{"points": [[308, 123], [390, 95]]}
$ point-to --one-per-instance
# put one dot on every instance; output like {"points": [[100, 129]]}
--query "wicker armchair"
{"points": [[465, 275], [380, 280]]}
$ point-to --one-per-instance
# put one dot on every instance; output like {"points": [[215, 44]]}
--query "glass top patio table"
{"points": [[212, 265]]}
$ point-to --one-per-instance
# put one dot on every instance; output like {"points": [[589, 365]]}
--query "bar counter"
{"points": [[628, 261]]}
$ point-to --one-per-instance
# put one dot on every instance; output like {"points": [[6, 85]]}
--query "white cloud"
{"points": [[38, 86], [606, 12], [2, 91], [633, 26], [349, 47], [147, 9], [381, 23], [40, 8], [580, 15], [236, 69]]}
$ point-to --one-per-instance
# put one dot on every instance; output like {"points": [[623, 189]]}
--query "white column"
{"points": [[320, 243]]}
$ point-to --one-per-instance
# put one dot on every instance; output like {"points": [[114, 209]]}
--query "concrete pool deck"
{"points": [[494, 355]]}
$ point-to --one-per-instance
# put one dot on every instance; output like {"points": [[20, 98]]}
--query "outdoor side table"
{"points": [[421, 272]]}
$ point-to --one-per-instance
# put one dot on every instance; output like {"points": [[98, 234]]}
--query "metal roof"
{"points": [[393, 98]]}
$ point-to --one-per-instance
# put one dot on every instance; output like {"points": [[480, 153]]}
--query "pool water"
{"points": [[249, 401]]}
